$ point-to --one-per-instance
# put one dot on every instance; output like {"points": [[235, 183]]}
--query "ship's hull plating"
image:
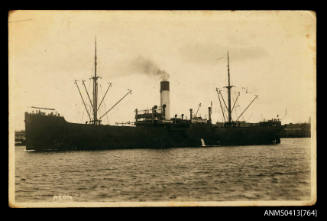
{"points": [[54, 133]]}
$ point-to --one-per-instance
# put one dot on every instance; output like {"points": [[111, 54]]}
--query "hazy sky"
{"points": [[272, 54]]}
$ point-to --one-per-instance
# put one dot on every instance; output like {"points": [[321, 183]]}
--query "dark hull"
{"points": [[54, 133]]}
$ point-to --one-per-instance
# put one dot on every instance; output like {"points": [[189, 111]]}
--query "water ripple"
{"points": [[276, 172]]}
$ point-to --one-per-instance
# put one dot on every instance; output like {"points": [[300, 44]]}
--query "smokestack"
{"points": [[164, 97]]}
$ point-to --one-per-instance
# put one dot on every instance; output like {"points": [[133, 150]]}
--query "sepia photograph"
{"points": [[168, 108]]}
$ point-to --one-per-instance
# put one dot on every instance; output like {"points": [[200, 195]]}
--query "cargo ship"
{"points": [[152, 128]]}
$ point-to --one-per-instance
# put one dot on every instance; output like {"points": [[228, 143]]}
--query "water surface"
{"points": [[272, 172]]}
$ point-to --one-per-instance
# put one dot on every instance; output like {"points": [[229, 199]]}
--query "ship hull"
{"points": [[45, 132]]}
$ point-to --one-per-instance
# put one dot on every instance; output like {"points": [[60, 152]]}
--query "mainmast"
{"points": [[95, 88], [229, 92], [229, 106]]}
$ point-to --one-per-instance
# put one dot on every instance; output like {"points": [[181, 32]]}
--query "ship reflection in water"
{"points": [[267, 172]]}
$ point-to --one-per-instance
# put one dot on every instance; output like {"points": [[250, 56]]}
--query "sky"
{"points": [[272, 55]]}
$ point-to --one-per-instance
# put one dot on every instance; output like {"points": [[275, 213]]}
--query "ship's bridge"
{"points": [[43, 111], [153, 114], [156, 116]]}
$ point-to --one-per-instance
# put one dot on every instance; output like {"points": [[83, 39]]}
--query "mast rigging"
{"points": [[235, 101], [87, 92], [221, 106], [87, 111], [219, 92]]}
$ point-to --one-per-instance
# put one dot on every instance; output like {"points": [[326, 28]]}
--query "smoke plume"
{"points": [[148, 67]]}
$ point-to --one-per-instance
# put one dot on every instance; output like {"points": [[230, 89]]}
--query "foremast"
{"points": [[95, 120]]}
